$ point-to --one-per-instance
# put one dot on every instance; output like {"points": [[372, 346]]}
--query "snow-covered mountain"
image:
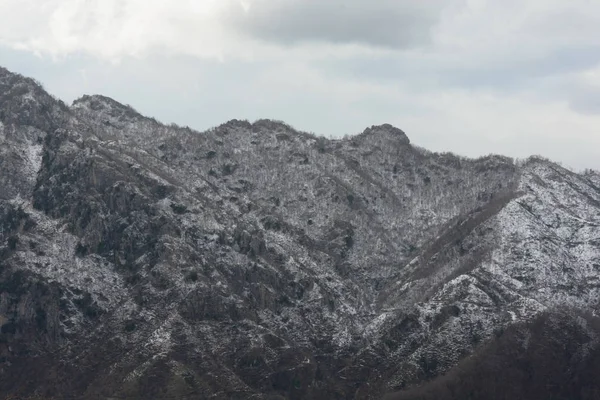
{"points": [[141, 260]]}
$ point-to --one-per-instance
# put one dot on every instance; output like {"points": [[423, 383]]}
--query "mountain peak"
{"points": [[23, 101], [387, 130], [5, 73], [235, 124], [15, 85], [105, 105]]}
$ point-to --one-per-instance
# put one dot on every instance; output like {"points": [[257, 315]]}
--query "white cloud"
{"points": [[112, 29], [460, 33]]}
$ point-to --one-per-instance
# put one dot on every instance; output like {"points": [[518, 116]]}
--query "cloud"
{"points": [[584, 92], [462, 34], [520, 72], [586, 100], [233, 29], [113, 29], [395, 24]]}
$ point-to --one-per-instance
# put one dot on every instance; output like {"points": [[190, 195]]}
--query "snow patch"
{"points": [[33, 153]]}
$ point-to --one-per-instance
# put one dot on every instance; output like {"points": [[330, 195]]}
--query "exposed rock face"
{"points": [[252, 260]]}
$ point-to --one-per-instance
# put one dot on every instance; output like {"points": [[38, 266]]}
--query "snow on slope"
{"points": [[259, 258]]}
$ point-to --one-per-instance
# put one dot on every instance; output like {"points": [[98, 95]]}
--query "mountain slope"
{"points": [[554, 356], [252, 260]]}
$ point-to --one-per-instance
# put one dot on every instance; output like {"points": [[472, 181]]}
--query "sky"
{"points": [[515, 77]]}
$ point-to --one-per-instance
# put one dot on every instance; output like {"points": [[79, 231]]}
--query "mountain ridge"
{"points": [[252, 260]]}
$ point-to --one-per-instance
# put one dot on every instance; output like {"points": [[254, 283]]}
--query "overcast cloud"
{"points": [[472, 76], [396, 24]]}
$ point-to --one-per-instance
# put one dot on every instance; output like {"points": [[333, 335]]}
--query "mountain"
{"points": [[139, 260], [553, 356]]}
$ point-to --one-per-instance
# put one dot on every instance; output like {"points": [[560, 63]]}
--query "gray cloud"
{"points": [[381, 23], [520, 72], [514, 74], [585, 100]]}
